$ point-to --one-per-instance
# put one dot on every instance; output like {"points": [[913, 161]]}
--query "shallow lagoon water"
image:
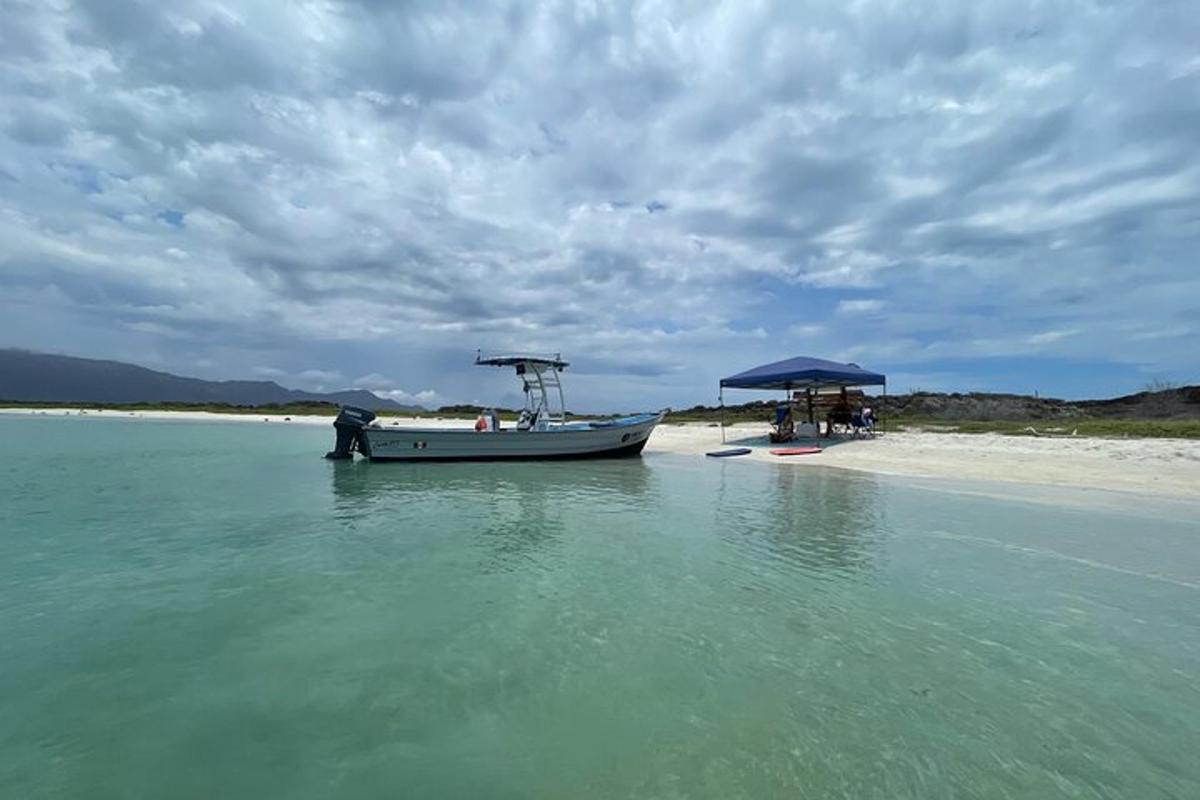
{"points": [[200, 610]]}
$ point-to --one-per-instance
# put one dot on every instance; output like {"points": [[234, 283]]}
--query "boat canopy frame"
{"points": [[539, 376]]}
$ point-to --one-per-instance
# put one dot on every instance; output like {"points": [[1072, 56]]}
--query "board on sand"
{"points": [[796, 451], [737, 451]]}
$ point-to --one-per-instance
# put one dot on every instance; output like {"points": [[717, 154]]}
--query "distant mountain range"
{"points": [[45, 378]]}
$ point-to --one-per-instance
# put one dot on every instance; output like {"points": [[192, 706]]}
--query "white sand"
{"points": [[1168, 467], [1165, 467]]}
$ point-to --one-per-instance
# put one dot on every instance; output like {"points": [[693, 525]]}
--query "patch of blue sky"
{"points": [[782, 305], [171, 217], [83, 176]]}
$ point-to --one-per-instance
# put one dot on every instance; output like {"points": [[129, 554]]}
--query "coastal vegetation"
{"points": [[1171, 412], [1083, 426], [1078, 426]]}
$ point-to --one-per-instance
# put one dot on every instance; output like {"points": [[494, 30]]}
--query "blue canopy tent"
{"points": [[801, 372]]}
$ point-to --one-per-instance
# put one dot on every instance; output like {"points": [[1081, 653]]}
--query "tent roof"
{"points": [[803, 373]]}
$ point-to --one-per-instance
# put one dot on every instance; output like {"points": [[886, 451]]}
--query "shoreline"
{"points": [[1160, 467], [1167, 468]]}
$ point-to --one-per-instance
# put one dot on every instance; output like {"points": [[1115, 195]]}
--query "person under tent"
{"points": [[784, 425], [840, 414], [862, 422]]}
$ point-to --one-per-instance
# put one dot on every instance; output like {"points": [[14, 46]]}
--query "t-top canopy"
{"points": [[803, 373], [554, 362]]}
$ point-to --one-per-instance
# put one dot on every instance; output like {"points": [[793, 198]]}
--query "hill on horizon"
{"points": [[1170, 403], [27, 376]]}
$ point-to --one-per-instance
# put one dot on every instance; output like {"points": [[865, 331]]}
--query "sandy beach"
{"points": [[1164, 467], [1167, 467]]}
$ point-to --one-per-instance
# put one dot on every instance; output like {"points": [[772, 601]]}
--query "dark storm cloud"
{"points": [[666, 187]]}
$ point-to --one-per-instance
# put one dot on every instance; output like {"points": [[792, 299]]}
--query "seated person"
{"points": [[863, 420], [840, 414], [526, 420], [785, 426], [488, 421]]}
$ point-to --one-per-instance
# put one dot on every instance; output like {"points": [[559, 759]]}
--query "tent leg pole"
{"points": [[884, 410], [721, 397]]}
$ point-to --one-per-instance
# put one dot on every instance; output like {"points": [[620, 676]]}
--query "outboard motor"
{"points": [[349, 425]]}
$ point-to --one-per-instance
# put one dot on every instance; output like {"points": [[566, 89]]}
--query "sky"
{"points": [[995, 196]]}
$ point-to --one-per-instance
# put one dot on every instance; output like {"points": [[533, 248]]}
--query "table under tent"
{"points": [[801, 373]]}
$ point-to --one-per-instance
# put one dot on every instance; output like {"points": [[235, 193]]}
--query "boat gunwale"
{"points": [[558, 429]]}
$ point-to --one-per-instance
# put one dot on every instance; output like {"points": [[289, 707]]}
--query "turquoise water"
{"points": [[193, 610]]}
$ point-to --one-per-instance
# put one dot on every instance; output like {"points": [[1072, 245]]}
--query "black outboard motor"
{"points": [[349, 425]]}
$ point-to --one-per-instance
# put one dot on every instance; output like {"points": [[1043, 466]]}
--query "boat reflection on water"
{"points": [[824, 522], [361, 484], [518, 512]]}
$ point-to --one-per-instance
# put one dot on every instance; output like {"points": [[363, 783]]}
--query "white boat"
{"points": [[541, 432]]}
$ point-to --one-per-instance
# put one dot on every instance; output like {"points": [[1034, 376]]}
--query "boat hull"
{"points": [[621, 438]]}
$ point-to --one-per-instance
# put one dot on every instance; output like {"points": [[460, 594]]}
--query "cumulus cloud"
{"points": [[384, 386], [663, 192], [1048, 337], [860, 306], [427, 398], [318, 376]]}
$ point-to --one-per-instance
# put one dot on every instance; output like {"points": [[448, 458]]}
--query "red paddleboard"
{"points": [[796, 451]]}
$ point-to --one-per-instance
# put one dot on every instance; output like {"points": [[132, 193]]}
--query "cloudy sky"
{"points": [[984, 195]]}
